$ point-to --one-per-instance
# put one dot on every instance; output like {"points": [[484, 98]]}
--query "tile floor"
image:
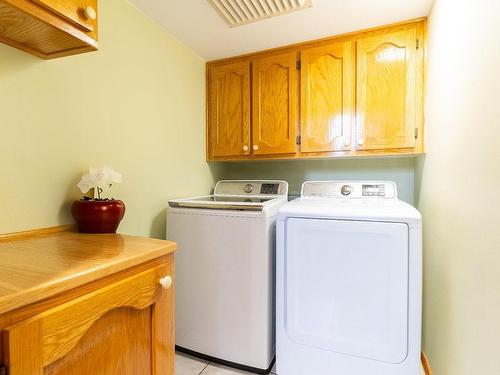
{"points": [[187, 365]]}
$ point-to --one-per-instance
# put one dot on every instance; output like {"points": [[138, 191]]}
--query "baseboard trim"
{"points": [[426, 365]]}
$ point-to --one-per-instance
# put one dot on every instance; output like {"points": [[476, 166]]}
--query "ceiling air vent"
{"points": [[241, 12]]}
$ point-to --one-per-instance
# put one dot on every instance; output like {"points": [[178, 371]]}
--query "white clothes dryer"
{"points": [[349, 260]]}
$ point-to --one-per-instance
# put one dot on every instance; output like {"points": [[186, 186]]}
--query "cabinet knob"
{"points": [[90, 13], [255, 147], [245, 148], [166, 282]]}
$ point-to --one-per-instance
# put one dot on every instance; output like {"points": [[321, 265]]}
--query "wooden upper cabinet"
{"points": [[389, 88], [354, 95], [49, 28], [327, 97], [229, 110], [275, 104]]}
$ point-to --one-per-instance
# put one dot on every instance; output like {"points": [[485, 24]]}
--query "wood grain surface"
{"points": [[363, 99], [35, 29], [387, 90], [124, 347], [327, 97], [275, 104], [229, 122], [73, 11], [34, 268]]}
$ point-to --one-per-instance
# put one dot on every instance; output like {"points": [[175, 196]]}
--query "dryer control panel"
{"points": [[350, 189]]}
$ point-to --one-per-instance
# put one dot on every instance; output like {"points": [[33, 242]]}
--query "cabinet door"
{"points": [[229, 110], [387, 90], [327, 97], [275, 104], [124, 328]]}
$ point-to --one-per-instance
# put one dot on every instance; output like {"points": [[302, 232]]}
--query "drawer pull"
{"points": [[90, 13], [166, 282]]}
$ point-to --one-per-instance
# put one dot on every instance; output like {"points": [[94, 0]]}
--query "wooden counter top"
{"points": [[36, 267]]}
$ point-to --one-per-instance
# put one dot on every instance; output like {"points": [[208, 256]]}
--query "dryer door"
{"points": [[346, 287]]}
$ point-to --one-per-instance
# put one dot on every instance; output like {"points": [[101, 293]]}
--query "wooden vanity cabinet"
{"points": [[49, 28], [122, 323]]}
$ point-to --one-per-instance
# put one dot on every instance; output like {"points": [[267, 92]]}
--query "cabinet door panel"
{"points": [[124, 330], [387, 90], [126, 324], [327, 97], [275, 104], [229, 108]]}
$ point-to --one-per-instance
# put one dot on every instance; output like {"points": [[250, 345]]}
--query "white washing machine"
{"points": [[348, 281], [225, 272]]}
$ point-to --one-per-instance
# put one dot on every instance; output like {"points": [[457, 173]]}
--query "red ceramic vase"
{"points": [[98, 216]]}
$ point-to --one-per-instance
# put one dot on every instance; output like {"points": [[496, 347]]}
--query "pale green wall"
{"points": [[137, 104], [398, 169], [457, 189]]}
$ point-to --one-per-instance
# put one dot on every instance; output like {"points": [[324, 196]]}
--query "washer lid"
{"points": [[240, 195], [220, 202]]}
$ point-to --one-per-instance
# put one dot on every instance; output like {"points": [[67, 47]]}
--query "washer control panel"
{"points": [[254, 188], [349, 189]]}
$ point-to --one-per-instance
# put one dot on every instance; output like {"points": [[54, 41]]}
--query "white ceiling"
{"points": [[197, 24]]}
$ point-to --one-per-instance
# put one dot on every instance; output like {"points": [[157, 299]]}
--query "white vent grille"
{"points": [[241, 12]]}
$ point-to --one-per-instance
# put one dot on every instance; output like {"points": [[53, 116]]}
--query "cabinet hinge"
{"points": [[298, 140], [418, 43], [298, 65], [416, 133]]}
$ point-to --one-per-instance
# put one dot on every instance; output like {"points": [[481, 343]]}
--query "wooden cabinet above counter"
{"points": [[49, 28], [359, 94]]}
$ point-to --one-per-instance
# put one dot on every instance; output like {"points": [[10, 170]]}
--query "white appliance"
{"points": [[348, 281], [225, 272]]}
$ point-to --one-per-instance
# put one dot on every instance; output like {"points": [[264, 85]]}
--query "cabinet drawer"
{"points": [[81, 13]]}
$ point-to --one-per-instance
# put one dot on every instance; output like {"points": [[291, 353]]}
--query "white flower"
{"points": [[85, 185], [100, 178]]}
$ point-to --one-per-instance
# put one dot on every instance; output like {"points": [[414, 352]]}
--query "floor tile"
{"points": [[213, 369], [187, 365]]}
